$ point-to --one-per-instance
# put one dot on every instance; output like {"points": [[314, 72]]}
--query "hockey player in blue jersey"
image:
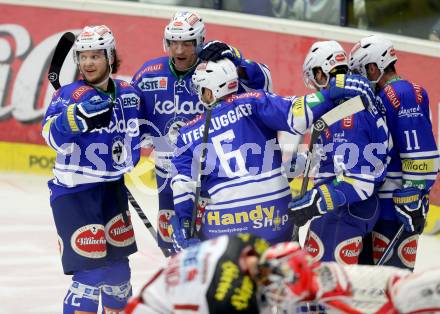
{"points": [[352, 167], [414, 160], [169, 102], [92, 124], [242, 171]]}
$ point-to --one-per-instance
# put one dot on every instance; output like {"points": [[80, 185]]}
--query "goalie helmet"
{"points": [[220, 77], [185, 26], [95, 38], [372, 49], [285, 272], [326, 55]]}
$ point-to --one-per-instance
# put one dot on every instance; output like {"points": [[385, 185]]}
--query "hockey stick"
{"points": [[347, 108], [390, 246], [194, 232], [61, 51]]}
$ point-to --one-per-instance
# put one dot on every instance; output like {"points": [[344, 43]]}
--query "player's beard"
{"points": [[97, 80]]}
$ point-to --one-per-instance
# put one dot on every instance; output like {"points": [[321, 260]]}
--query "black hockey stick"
{"points": [[194, 232], [340, 112], [61, 51], [145, 220], [390, 246]]}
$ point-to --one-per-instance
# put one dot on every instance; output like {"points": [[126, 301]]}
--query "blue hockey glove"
{"points": [[315, 202], [216, 50], [84, 117], [411, 205], [345, 86], [180, 233]]}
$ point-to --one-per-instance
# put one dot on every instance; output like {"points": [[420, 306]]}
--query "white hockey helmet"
{"points": [[220, 77], [372, 49], [185, 26], [95, 38], [326, 55]]}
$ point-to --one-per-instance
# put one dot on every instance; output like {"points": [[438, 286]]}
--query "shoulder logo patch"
{"points": [[80, 91], [392, 96]]}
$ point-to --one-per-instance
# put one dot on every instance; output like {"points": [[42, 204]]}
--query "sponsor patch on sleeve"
{"points": [[80, 91], [391, 94], [418, 93]]}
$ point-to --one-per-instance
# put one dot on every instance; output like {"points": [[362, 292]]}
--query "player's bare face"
{"points": [[93, 65], [183, 54]]}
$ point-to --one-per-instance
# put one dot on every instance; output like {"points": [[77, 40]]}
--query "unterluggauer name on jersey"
{"points": [[218, 122]]}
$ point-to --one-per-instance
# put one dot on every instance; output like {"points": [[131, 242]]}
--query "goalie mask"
{"points": [[220, 77], [327, 55], [185, 26], [95, 38], [285, 273], [372, 49]]}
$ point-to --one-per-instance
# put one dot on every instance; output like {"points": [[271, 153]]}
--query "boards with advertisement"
{"points": [[29, 34]]}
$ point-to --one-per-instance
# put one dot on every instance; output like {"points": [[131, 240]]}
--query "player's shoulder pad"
{"points": [[194, 121], [122, 84], [252, 94], [403, 92], [71, 92], [152, 67]]}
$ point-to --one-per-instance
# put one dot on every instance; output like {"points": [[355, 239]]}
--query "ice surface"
{"points": [[31, 277]]}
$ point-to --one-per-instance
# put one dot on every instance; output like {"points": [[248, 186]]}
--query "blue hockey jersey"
{"points": [[242, 173], [169, 102], [354, 156], [414, 157], [100, 155]]}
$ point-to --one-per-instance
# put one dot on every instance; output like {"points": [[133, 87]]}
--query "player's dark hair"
{"points": [[391, 68], [116, 62]]}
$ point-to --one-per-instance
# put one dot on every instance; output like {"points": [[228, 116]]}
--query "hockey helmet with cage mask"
{"points": [[220, 77], [95, 38], [285, 275], [184, 26], [372, 49], [327, 55]]}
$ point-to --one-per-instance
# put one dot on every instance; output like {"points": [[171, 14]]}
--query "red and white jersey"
{"points": [[208, 271]]}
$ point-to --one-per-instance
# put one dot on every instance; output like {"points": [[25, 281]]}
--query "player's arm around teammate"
{"points": [[169, 101], [352, 167], [243, 119], [414, 163]]}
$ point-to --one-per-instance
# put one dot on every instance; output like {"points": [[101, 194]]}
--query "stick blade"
{"points": [[347, 108], [61, 51]]}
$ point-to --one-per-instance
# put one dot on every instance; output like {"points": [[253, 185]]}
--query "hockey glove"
{"points": [[216, 50], [345, 86], [315, 202], [411, 206], [84, 117], [180, 233]]}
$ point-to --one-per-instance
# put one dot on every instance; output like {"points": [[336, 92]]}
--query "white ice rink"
{"points": [[31, 277]]}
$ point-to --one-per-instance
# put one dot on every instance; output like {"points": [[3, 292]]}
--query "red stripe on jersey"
{"points": [[418, 93], [392, 96], [186, 307]]}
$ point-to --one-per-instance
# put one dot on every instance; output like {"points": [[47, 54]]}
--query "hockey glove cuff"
{"points": [[345, 86], [411, 205], [216, 50], [180, 233], [315, 202], [84, 117]]}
